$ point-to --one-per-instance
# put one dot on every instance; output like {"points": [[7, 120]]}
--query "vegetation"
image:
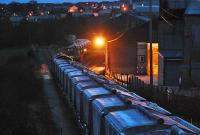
{"points": [[23, 109], [45, 32]]}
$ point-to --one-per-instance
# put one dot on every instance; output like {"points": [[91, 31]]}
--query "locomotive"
{"points": [[103, 107]]}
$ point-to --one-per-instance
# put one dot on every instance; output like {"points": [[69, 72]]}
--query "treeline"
{"points": [[45, 32], [23, 107]]}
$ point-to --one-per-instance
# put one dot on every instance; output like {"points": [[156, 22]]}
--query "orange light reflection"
{"points": [[155, 58], [97, 69]]}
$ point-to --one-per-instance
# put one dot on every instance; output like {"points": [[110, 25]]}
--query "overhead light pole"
{"points": [[150, 39], [101, 42]]}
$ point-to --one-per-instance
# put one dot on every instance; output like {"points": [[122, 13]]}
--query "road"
{"points": [[61, 113]]}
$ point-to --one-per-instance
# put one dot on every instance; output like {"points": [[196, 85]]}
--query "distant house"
{"points": [[36, 19], [142, 6], [87, 12], [105, 12], [16, 20]]}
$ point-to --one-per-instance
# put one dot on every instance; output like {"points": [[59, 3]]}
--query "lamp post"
{"points": [[100, 42], [150, 39]]}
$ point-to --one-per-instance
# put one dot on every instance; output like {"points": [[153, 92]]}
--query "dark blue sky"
{"points": [[51, 1]]}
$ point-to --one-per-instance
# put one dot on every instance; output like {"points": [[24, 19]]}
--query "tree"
{"points": [[15, 7]]}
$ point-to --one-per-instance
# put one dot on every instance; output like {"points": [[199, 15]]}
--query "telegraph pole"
{"points": [[150, 39], [106, 58]]}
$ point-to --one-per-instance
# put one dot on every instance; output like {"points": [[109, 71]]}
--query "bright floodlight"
{"points": [[85, 50], [99, 41]]}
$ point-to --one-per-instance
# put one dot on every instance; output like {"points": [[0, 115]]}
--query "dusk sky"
{"points": [[51, 1]]}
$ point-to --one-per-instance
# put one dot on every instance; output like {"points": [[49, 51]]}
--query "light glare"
{"points": [[99, 41]]}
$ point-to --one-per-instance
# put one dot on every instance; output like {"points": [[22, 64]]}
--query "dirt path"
{"points": [[61, 113]]}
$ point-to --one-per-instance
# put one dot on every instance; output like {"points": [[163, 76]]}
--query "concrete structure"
{"points": [[122, 54], [191, 66], [142, 58], [128, 54], [170, 67]]}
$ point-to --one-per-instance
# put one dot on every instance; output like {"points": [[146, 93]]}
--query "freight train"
{"points": [[103, 107]]}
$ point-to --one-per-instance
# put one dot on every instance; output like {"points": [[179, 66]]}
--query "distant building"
{"points": [[105, 11], [143, 7], [36, 19], [16, 20]]}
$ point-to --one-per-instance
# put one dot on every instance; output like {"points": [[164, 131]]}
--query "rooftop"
{"points": [[193, 8]]}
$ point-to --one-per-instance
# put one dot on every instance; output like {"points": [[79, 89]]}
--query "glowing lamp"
{"points": [[73, 9], [81, 10], [42, 13], [84, 50], [99, 41], [30, 13], [95, 14], [124, 7]]}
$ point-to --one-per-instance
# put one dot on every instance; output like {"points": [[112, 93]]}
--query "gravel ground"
{"points": [[61, 113]]}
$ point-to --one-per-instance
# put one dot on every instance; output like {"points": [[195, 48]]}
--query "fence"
{"points": [[133, 83], [187, 107]]}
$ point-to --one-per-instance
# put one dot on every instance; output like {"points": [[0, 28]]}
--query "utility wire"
{"points": [[123, 33], [120, 36], [113, 35], [170, 13], [167, 21]]}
